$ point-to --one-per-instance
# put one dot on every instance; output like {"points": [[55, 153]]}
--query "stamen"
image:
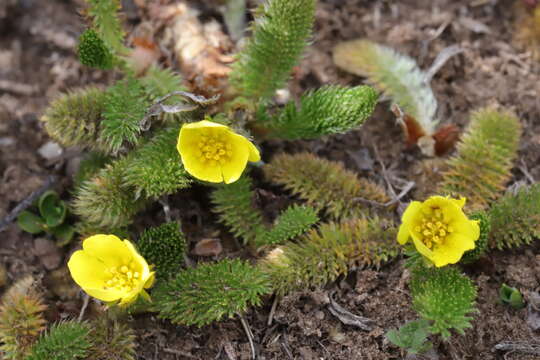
{"points": [[433, 229]]}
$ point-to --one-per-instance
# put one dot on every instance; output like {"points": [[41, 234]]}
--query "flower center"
{"points": [[123, 278], [214, 150], [433, 229]]}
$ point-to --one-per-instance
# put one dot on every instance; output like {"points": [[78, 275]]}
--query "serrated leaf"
{"points": [[394, 74]]}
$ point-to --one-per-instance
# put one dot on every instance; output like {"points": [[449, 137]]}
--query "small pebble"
{"points": [[208, 247], [48, 253], [7, 141], [50, 150]]}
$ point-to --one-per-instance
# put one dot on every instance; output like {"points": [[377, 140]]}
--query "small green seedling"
{"points": [[412, 336], [53, 213], [511, 296]]}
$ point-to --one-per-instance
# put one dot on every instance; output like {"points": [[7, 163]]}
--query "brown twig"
{"points": [[51, 179], [285, 346], [520, 347], [249, 335], [272, 311], [348, 318], [84, 306]]}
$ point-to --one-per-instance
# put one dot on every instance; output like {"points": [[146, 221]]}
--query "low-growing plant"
{"points": [[21, 319], [511, 296], [147, 138], [51, 218]]}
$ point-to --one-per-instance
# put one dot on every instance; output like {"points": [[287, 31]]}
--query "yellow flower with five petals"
{"points": [[439, 228], [213, 152], [110, 269]]}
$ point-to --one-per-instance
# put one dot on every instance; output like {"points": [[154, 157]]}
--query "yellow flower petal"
{"points": [[142, 265], [110, 269], [232, 169], [87, 271], [452, 250], [460, 203], [254, 154], [203, 124], [439, 228], [403, 234], [108, 249], [107, 295], [406, 221], [202, 158], [150, 280], [187, 147], [421, 248]]}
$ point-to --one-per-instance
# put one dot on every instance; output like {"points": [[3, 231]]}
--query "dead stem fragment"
{"points": [[348, 318]]}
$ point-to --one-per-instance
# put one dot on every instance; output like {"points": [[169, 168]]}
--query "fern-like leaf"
{"points": [[159, 82], [67, 340], [107, 23], [21, 319], [395, 75], [328, 110], [324, 184], [90, 165], [486, 153], [332, 250], [210, 292], [234, 205], [74, 119], [445, 297], [155, 168], [103, 202], [164, 247], [280, 33], [112, 340], [125, 107], [292, 223], [515, 218]]}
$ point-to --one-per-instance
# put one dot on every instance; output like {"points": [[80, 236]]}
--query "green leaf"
{"points": [[445, 297], [30, 222], [281, 31], [68, 340], [233, 203], [325, 111], [484, 160], [515, 217], [93, 52], [292, 223], [323, 254], [511, 296], [164, 247], [52, 208], [63, 234], [412, 336], [395, 75], [124, 109], [210, 292]]}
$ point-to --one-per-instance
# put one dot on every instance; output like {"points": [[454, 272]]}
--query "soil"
{"points": [[38, 62]]}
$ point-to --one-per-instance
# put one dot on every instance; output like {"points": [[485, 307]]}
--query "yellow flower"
{"points": [[439, 229], [110, 269], [213, 152]]}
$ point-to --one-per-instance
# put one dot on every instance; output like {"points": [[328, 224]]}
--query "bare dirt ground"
{"points": [[37, 62]]}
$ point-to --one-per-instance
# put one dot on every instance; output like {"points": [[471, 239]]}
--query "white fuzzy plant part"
{"points": [[396, 75]]}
